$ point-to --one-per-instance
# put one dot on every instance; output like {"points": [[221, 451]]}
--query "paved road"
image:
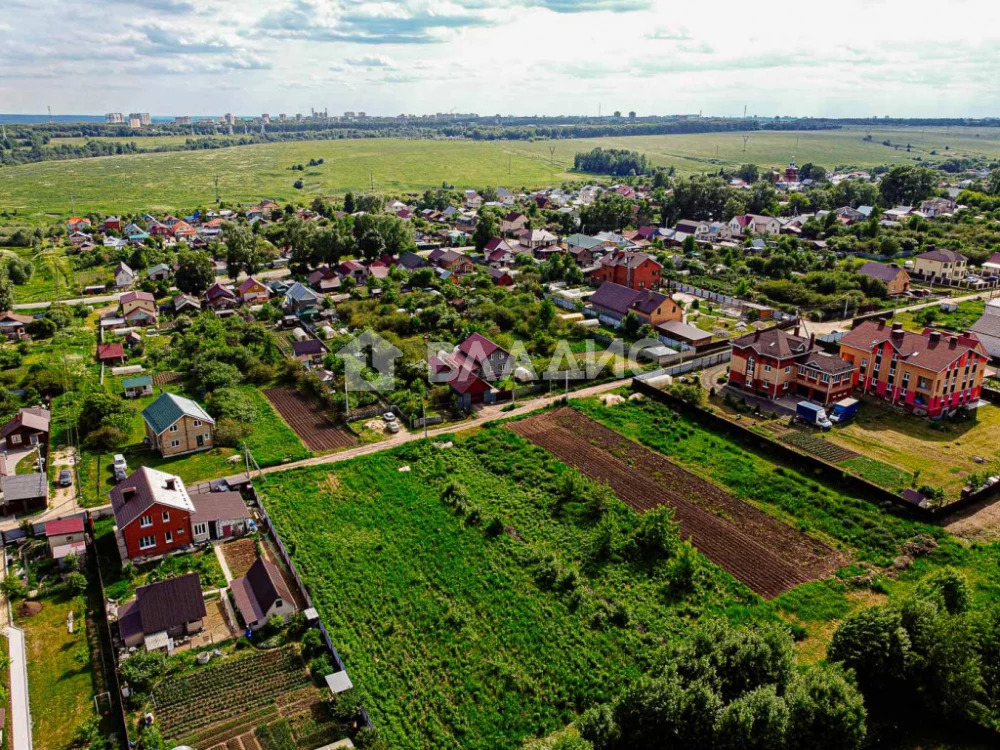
{"points": [[831, 326], [273, 273], [21, 714]]}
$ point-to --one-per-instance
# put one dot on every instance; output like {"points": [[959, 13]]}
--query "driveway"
{"points": [[63, 500]]}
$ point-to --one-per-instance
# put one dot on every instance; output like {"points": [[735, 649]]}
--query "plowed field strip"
{"points": [[760, 562], [308, 421]]}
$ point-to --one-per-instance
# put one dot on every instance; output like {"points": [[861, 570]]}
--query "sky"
{"points": [[850, 58]]}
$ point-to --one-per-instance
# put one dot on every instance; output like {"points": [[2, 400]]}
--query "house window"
{"points": [[200, 529], [175, 443], [15, 439], [788, 369], [767, 368], [146, 521], [864, 363], [147, 542], [166, 517], [824, 378], [168, 537], [197, 423], [173, 428], [277, 603], [208, 436]]}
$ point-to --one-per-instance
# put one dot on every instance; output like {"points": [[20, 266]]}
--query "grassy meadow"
{"points": [[454, 632], [181, 180]]}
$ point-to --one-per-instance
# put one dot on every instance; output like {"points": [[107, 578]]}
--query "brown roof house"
{"points": [[262, 594], [30, 426], [896, 279], [218, 515], [162, 612]]}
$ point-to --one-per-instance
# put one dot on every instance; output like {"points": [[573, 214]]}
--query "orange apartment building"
{"points": [[931, 373], [773, 363]]}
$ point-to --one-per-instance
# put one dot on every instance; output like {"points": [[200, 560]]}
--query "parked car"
{"points": [[389, 417], [392, 427], [65, 478], [120, 466]]}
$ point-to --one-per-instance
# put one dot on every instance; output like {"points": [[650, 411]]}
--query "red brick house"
{"points": [[152, 512], [774, 363], [635, 270]]}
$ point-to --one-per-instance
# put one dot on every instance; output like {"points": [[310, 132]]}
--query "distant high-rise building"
{"points": [[142, 117], [298, 117], [361, 115], [265, 118], [283, 117], [229, 119], [184, 120], [114, 118], [349, 115], [134, 122]]}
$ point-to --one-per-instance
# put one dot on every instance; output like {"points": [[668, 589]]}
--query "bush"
{"points": [[77, 583], [230, 433]]}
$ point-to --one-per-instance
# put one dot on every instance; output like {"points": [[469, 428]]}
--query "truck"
{"points": [[844, 410], [813, 414]]}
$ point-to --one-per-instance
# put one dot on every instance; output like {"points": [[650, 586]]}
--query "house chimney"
{"points": [[812, 340], [756, 334], [897, 329], [935, 336], [953, 340], [796, 330], [171, 484]]}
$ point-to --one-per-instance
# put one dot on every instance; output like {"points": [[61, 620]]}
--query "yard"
{"points": [[937, 453], [271, 441], [968, 312]]}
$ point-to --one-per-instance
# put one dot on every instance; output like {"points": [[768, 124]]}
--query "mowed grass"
{"points": [[942, 452], [271, 442], [181, 180], [60, 671], [444, 625]]}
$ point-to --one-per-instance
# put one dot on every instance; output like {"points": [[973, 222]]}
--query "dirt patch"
{"points": [[977, 524], [29, 609], [767, 555], [240, 555], [308, 421]]}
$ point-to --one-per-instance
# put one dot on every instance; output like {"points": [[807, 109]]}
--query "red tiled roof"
{"points": [[924, 350], [110, 351], [64, 526]]}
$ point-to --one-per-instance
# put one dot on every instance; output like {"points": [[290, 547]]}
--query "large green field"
{"points": [[173, 180], [468, 605]]}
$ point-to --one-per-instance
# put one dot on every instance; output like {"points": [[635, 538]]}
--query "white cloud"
{"points": [[517, 56]]}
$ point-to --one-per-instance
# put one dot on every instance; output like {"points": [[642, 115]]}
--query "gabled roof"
{"points": [[307, 347], [33, 418], [218, 291], [110, 351], [164, 605], [773, 342], [122, 267], [614, 297], [64, 526], [943, 255], [477, 344], [880, 271], [257, 591], [140, 381], [299, 293], [136, 297], [170, 407], [627, 258], [929, 350], [218, 506], [143, 489], [24, 487], [582, 240], [248, 283]]}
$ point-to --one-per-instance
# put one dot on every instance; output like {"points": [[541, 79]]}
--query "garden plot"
{"points": [[308, 421]]}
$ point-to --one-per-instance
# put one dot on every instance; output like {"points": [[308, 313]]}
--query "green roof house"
{"points": [[177, 425], [141, 385]]}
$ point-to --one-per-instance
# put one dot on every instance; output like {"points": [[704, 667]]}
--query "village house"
{"points": [[112, 224], [940, 266], [300, 298], [754, 224], [987, 328], [138, 308], [29, 427], [251, 291], [324, 280], [937, 207], [218, 516], [471, 370], [138, 386], [66, 540], [262, 594], [220, 297], [24, 493], [124, 276], [309, 351], [185, 303], [176, 425], [930, 373], [77, 224], [152, 511], [13, 326], [895, 278], [452, 261], [411, 261], [161, 612], [636, 270], [159, 272], [991, 267], [111, 354], [774, 363], [612, 302], [354, 270], [513, 222]]}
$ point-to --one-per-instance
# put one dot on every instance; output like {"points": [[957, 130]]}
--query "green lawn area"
{"points": [[61, 676], [444, 619], [271, 442], [879, 472], [968, 312], [182, 180], [941, 451]]}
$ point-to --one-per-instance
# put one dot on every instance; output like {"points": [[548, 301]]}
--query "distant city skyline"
{"points": [[857, 58]]}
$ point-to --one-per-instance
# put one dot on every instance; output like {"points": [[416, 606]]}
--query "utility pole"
{"points": [[371, 177], [216, 181]]}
